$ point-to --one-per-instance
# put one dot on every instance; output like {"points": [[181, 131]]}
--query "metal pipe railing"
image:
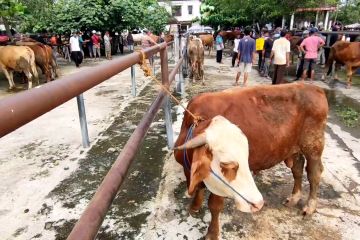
{"points": [[21, 108], [90, 221]]}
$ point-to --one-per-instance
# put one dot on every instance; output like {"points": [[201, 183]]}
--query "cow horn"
{"points": [[197, 141]]}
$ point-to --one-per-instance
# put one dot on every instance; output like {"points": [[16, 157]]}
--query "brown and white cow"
{"points": [[281, 123], [44, 58], [345, 53], [195, 54], [19, 59], [208, 41]]}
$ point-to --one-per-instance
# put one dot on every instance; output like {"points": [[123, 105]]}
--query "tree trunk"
{"points": [[7, 28]]}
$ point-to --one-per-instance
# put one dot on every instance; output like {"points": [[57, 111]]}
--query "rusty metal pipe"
{"points": [[21, 108], [90, 221]]}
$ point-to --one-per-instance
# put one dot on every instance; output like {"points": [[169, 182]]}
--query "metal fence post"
{"points": [[83, 123], [133, 82], [166, 106]]}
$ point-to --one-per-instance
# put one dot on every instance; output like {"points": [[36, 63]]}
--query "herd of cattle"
{"points": [[24, 57]]}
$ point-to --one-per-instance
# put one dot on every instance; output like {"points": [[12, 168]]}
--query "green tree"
{"points": [[10, 12], [349, 12]]}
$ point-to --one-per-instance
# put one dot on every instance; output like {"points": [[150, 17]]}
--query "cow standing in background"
{"points": [[195, 54], [19, 59], [281, 123], [208, 41], [346, 53]]}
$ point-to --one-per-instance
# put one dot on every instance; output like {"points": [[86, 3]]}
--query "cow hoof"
{"points": [[211, 236], [193, 212], [310, 207], [292, 201]]}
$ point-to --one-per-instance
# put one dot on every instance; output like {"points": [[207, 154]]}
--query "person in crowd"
{"points": [[81, 41], [281, 54], [219, 43], [88, 43], [321, 55], [235, 50], [54, 45], [121, 44], [147, 41], [310, 47], [268, 44], [246, 56], [301, 57], [130, 42], [75, 50], [96, 38], [107, 43], [260, 41]]}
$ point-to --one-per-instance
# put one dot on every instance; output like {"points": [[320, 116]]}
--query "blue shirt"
{"points": [[246, 49]]}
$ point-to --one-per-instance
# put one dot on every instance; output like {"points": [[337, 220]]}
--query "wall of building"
{"points": [[185, 16]]}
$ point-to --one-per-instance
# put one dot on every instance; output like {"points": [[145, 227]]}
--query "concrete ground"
{"points": [[48, 179]]}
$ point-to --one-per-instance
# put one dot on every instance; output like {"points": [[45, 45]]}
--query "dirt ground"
{"points": [[48, 178]]}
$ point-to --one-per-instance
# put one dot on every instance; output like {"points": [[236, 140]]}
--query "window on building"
{"points": [[176, 11], [190, 10]]}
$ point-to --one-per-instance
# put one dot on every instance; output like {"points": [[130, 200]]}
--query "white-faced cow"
{"points": [[281, 123]]}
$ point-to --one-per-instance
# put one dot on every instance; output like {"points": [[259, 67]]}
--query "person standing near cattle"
{"points": [[219, 42], [75, 49], [235, 50], [130, 42], [266, 54], [246, 56], [107, 43], [260, 41], [281, 54], [310, 47], [96, 44]]}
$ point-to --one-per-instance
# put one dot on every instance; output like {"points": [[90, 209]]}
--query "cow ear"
{"points": [[229, 170], [200, 167]]}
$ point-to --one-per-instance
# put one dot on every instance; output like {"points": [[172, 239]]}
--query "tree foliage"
{"points": [[67, 15], [242, 12], [10, 11], [349, 12]]}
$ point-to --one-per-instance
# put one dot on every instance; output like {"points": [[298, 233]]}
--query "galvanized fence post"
{"points": [[133, 82], [166, 106], [83, 123]]}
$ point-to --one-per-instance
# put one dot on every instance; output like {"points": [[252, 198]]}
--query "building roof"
{"points": [[332, 9]]}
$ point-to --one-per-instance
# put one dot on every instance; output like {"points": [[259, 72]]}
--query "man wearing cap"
{"points": [[75, 50], [96, 38], [310, 47]]}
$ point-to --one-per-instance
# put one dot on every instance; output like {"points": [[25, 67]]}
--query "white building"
{"points": [[184, 11]]}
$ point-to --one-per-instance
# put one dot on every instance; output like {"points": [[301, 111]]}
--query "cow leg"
{"points": [[8, 75], [29, 77], [349, 73], [197, 200], [297, 170], [216, 205], [314, 168]]}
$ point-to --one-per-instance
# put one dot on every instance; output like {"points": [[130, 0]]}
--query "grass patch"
{"points": [[348, 115]]}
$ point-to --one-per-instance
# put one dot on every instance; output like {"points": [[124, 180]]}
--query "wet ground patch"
{"points": [[127, 212]]}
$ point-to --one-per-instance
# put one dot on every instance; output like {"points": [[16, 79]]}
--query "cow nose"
{"points": [[257, 206]]}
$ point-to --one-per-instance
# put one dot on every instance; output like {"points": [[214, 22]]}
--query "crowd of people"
{"points": [[273, 51]]}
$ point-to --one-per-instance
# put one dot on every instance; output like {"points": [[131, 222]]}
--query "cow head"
{"points": [[223, 149]]}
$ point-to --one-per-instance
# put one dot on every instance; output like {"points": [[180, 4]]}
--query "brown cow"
{"points": [[346, 53], [281, 122], [208, 41], [229, 35], [169, 38], [19, 59], [44, 58], [195, 53]]}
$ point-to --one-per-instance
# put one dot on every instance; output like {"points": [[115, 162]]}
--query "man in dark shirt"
{"points": [[246, 56], [266, 53]]}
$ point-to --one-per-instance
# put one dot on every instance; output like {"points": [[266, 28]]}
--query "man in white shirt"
{"points": [[280, 53], [75, 50], [235, 50]]}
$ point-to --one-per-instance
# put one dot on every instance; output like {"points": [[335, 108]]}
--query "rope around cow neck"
{"points": [[148, 73]]}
